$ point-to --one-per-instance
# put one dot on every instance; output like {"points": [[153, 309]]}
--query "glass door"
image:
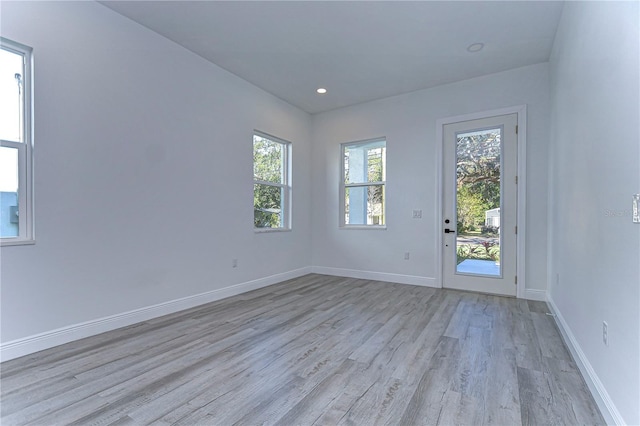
{"points": [[480, 163]]}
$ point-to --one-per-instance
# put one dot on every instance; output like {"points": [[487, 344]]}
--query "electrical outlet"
{"points": [[234, 263], [417, 214], [605, 333], [406, 255]]}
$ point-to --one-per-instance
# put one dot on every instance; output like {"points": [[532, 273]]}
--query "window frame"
{"points": [[344, 185], [25, 149], [285, 186]]}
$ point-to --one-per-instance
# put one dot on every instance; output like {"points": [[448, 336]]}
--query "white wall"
{"points": [[143, 164], [409, 124], [594, 248]]}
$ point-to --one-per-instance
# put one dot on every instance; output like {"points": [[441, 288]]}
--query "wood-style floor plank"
{"points": [[315, 350]]}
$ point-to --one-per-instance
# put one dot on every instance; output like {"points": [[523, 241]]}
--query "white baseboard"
{"points": [[377, 276], [532, 294], [49, 339], [600, 394]]}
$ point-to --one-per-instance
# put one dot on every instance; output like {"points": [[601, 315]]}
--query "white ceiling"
{"points": [[358, 50]]}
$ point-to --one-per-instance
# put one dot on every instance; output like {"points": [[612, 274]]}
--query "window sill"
{"points": [[364, 227], [268, 230], [7, 243]]}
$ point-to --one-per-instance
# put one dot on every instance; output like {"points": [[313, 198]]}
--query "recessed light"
{"points": [[475, 47], [321, 90]]}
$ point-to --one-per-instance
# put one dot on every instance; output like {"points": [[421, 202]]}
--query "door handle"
{"points": [[449, 231]]}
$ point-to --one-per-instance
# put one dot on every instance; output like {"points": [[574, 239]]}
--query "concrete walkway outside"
{"points": [[481, 267]]}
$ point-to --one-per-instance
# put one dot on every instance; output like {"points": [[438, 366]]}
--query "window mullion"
{"points": [[264, 182], [351, 185], [11, 144]]}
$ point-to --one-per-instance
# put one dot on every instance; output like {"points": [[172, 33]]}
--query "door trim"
{"points": [[521, 111]]}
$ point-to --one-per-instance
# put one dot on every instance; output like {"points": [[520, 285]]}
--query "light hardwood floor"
{"points": [[314, 350]]}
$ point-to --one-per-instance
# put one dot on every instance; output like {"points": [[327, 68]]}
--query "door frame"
{"points": [[521, 111]]}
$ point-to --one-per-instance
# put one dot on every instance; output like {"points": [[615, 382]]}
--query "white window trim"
{"points": [[285, 185], [343, 186], [25, 151]]}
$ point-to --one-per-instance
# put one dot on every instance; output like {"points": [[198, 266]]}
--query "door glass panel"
{"points": [[8, 192], [478, 202]]}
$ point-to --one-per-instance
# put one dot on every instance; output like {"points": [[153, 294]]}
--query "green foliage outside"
{"points": [[486, 251], [471, 208], [478, 179]]}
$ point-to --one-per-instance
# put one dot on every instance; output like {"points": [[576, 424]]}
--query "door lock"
{"points": [[449, 231]]}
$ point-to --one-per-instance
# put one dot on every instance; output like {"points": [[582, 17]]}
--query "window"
{"points": [[271, 183], [362, 188], [16, 218]]}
